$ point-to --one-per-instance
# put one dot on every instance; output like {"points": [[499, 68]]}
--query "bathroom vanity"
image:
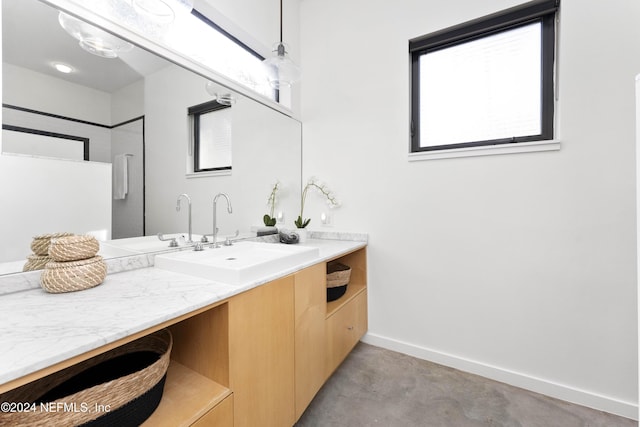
{"points": [[247, 354]]}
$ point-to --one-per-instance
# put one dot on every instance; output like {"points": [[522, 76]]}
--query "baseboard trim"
{"points": [[517, 379]]}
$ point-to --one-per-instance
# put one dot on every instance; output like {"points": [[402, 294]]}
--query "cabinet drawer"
{"points": [[220, 416], [344, 329]]}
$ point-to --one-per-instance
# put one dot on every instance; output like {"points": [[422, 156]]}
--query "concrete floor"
{"points": [[378, 387]]}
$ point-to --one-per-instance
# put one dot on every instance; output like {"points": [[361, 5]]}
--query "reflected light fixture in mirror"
{"points": [[92, 39], [225, 99], [281, 70], [162, 11], [191, 35], [222, 98]]}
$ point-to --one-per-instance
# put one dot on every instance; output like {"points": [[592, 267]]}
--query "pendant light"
{"points": [[222, 98], [281, 70], [93, 39]]}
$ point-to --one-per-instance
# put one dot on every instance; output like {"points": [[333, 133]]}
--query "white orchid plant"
{"points": [[302, 222], [269, 219]]}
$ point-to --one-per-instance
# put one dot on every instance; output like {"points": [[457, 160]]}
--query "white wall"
{"points": [[265, 147], [128, 213], [29, 89], [517, 267], [52, 196], [127, 103], [99, 137]]}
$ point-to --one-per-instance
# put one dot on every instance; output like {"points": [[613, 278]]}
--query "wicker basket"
{"points": [[338, 276], [73, 248], [36, 262], [121, 387], [59, 277], [40, 244]]}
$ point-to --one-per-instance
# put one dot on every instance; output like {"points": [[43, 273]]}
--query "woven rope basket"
{"points": [[119, 393], [337, 274], [40, 244], [36, 262], [73, 248], [59, 277]]}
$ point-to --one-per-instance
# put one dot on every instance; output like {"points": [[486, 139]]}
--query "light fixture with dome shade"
{"points": [[281, 70], [221, 98], [93, 39]]}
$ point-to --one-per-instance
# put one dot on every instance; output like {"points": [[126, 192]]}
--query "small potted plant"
{"points": [[269, 219], [301, 222]]}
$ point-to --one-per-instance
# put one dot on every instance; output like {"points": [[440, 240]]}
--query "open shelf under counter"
{"points": [[357, 261], [353, 289], [187, 398]]}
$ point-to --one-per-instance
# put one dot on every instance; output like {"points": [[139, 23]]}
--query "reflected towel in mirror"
{"points": [[120, 178]]}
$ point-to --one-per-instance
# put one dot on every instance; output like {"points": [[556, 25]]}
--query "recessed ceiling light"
{"points": [[63, 68]]}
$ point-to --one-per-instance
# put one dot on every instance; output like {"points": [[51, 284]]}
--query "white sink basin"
{"points": [[241, 263]]}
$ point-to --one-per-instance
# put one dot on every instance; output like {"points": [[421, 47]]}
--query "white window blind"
{"points": [[484, 89], [215, 139]]}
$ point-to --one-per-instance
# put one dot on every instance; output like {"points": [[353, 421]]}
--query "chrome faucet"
{"points": [[186, 196], [215, 244]]}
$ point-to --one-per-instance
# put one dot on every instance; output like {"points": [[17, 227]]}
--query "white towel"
{"points": [[120, 179]]}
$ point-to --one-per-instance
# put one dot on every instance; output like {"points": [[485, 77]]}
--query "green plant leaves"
{"points": [[269, 221], [300, 223]]}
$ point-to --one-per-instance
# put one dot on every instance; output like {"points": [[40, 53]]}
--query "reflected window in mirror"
{"points": [[34, 142], [210, 44], [211, 126]]}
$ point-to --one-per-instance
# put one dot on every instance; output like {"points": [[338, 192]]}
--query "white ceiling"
{"points": [[32, 38]]}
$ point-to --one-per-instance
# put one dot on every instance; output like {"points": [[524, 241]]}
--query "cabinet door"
{"points": [[344, 329], [310, 313], [261, 360], [219, 416]]}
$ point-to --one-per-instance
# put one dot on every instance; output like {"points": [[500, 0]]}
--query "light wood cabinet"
{"points": [[261, 355], [347, 316], [220, 416], [325, 332], [310, 313], [344, 329], [245, 346], [201, 343], [189, 397]]}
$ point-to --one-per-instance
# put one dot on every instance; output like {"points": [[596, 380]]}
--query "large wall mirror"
{"points": [[67, 137]]}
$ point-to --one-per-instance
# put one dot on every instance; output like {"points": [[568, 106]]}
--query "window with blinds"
{"points": [[485, 82], [211, 137]]}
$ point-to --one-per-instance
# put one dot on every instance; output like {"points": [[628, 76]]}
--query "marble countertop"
{"points": [[39, 329]]}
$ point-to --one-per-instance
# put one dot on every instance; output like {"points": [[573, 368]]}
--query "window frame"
{"points": [[275, 92], [195, 112], [543, 11]]}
